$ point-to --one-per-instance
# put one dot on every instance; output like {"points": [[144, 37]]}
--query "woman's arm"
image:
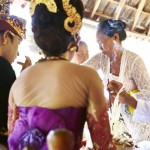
{"points": [[13, 113], [94, 62], [142, 80], [97, 117], [140, 100]]}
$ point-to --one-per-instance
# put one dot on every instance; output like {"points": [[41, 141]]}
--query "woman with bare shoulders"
{"points": [[55, 93]]}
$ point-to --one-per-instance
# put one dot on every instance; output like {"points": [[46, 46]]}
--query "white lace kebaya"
{"points": [[133, 74]]}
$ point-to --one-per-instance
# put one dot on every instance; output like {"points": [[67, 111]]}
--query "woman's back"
{"points": [[68, 93], [61, 83]]}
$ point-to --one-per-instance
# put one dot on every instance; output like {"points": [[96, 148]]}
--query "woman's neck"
{"points": [[116, 56], [55, 57], [115, 63]]}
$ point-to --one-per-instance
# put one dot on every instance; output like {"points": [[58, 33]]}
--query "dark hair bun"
{"points": [[48, 27], [41, 15], [112, 26], [122, 24]]}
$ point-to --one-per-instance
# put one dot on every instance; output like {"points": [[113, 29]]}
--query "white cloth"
{"points": [[143, 145], [133, 75], [142, 112]]}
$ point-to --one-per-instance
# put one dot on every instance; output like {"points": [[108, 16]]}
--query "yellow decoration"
{"points": [[73, 49], [73, 18], [53, 58], [131, 109], [18, 24], [5, 42], [51, 5]]}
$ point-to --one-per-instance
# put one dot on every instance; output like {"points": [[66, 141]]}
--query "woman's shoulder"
{"points": [[96, 58], [83, 67], [131, 54], [84, 71]]}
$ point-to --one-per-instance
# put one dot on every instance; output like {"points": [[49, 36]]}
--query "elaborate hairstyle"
{"points": [[110, 27], [55, 23], [12, 23]]}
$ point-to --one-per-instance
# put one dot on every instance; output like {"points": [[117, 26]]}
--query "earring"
{"points": [[5, 42], [74, 48]]}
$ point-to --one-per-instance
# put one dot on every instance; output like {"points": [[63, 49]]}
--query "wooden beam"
{"points": [[138, 12], [148, 31], [99, 14], [119, 8], [146, 13], [130, 7], [96, 5], [147, 22]]}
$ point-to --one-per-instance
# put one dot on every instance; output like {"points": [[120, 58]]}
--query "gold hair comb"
{"points": [[73, 18], [51, 5]]}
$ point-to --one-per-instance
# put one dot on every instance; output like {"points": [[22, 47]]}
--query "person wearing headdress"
{"points": [[128, 83], [55, 93], [12, 30]]}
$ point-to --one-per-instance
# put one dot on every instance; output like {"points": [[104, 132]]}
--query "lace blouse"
{"points": [[133, 74]]}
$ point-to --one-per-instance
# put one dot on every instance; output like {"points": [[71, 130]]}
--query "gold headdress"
{"points": [[51, 5], [73, 17], [12, 23]]}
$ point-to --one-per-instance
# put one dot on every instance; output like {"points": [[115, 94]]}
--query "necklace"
{"points": [[52, 58]]}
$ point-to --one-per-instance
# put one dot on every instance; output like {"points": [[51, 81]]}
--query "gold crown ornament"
{"points": [[13, 23], [73, 18], [51, 5]]}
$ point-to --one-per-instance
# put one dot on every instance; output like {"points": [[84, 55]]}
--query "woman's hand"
{"points": [[124, 97], [127, 99], [114, 86], [26, 64]]}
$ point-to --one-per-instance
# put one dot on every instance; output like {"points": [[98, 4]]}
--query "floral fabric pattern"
{"points": [[100, 134]]}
